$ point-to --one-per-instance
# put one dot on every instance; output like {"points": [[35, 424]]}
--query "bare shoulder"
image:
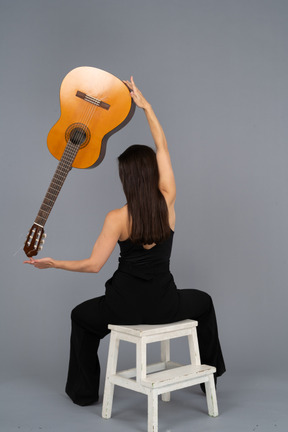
{"points": [[117, 220], [117, 214]]}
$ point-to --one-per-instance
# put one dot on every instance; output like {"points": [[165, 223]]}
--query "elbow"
{"points": [[95, 268], [91, 266]]}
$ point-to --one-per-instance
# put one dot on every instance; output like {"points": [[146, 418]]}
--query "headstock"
{"points": [[34, 241]]}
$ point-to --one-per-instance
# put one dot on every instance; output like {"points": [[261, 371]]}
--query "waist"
{"points": [[144, 271]]}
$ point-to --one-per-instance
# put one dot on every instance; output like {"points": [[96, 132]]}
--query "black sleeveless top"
{"points": [[140, 261], [142, 288]]}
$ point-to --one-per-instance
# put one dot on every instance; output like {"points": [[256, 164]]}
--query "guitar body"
{"points": [[94, 105], [97, 123]]}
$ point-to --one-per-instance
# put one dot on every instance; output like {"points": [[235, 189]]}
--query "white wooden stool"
{"points": [[159, 378]]}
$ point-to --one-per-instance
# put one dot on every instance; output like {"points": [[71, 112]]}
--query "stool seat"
{"points": [[159, 378], [141, 330]]}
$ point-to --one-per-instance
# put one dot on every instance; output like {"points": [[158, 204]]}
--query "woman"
{"points": [[142, 290]]}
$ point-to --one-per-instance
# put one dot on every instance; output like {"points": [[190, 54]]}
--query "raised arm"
{"points": [[167, 181]]}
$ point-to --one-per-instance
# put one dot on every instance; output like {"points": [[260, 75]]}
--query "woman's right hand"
{"points": [[42, 263]]}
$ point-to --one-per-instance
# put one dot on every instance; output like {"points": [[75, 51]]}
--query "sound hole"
{"points": [[78, 134]]}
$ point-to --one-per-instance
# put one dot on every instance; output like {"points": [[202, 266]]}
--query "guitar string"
{"points": [[72, 152], [88, 114]]}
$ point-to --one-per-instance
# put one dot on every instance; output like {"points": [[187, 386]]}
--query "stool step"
{"points": [[177, 375], [152, 368]]}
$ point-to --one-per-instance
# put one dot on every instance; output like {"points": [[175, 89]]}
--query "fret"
{"points": [[40, 221], [61, 173], [46, 207], [47, 201], [43, 214], [49, 196], [56, 184], [55, 187]]}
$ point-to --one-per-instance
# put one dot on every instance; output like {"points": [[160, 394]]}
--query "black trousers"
{"points": [[90, 324]]}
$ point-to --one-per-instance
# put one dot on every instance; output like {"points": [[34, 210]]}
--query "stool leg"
{"points": [[111, 370], [194, 348], [165, 357], [152, 411], [141, 360], [211, 396]]}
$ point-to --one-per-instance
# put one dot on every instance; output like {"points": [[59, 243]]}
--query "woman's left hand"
{"points": [[136, 94], [42, 263]]}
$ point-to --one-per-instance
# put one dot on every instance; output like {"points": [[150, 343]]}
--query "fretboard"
{"points": [[57, 182]]}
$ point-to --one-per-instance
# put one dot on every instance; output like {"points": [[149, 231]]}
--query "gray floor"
{"points": [[246, 403]]}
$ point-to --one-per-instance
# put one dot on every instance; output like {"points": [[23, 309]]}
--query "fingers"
{"points": [[135, 93], [128, 83], [42, 263], [131, 84], [135, 89], [31, 261]]}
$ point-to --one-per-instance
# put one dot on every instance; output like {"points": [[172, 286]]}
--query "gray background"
{"points": [[216, 73]]}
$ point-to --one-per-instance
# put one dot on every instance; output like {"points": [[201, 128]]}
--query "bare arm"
{"points": [[102, 249], [167, 181]]}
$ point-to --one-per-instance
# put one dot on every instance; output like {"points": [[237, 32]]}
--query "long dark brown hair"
{"points": [[147, 208]]}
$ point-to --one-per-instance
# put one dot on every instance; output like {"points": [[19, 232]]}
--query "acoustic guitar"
{"points": [[94, 105]]}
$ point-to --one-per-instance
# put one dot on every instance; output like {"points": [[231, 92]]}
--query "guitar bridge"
{"points": [[92, 100]]}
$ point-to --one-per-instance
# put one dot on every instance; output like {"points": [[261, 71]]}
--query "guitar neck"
{"points": [[62, 170]]}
